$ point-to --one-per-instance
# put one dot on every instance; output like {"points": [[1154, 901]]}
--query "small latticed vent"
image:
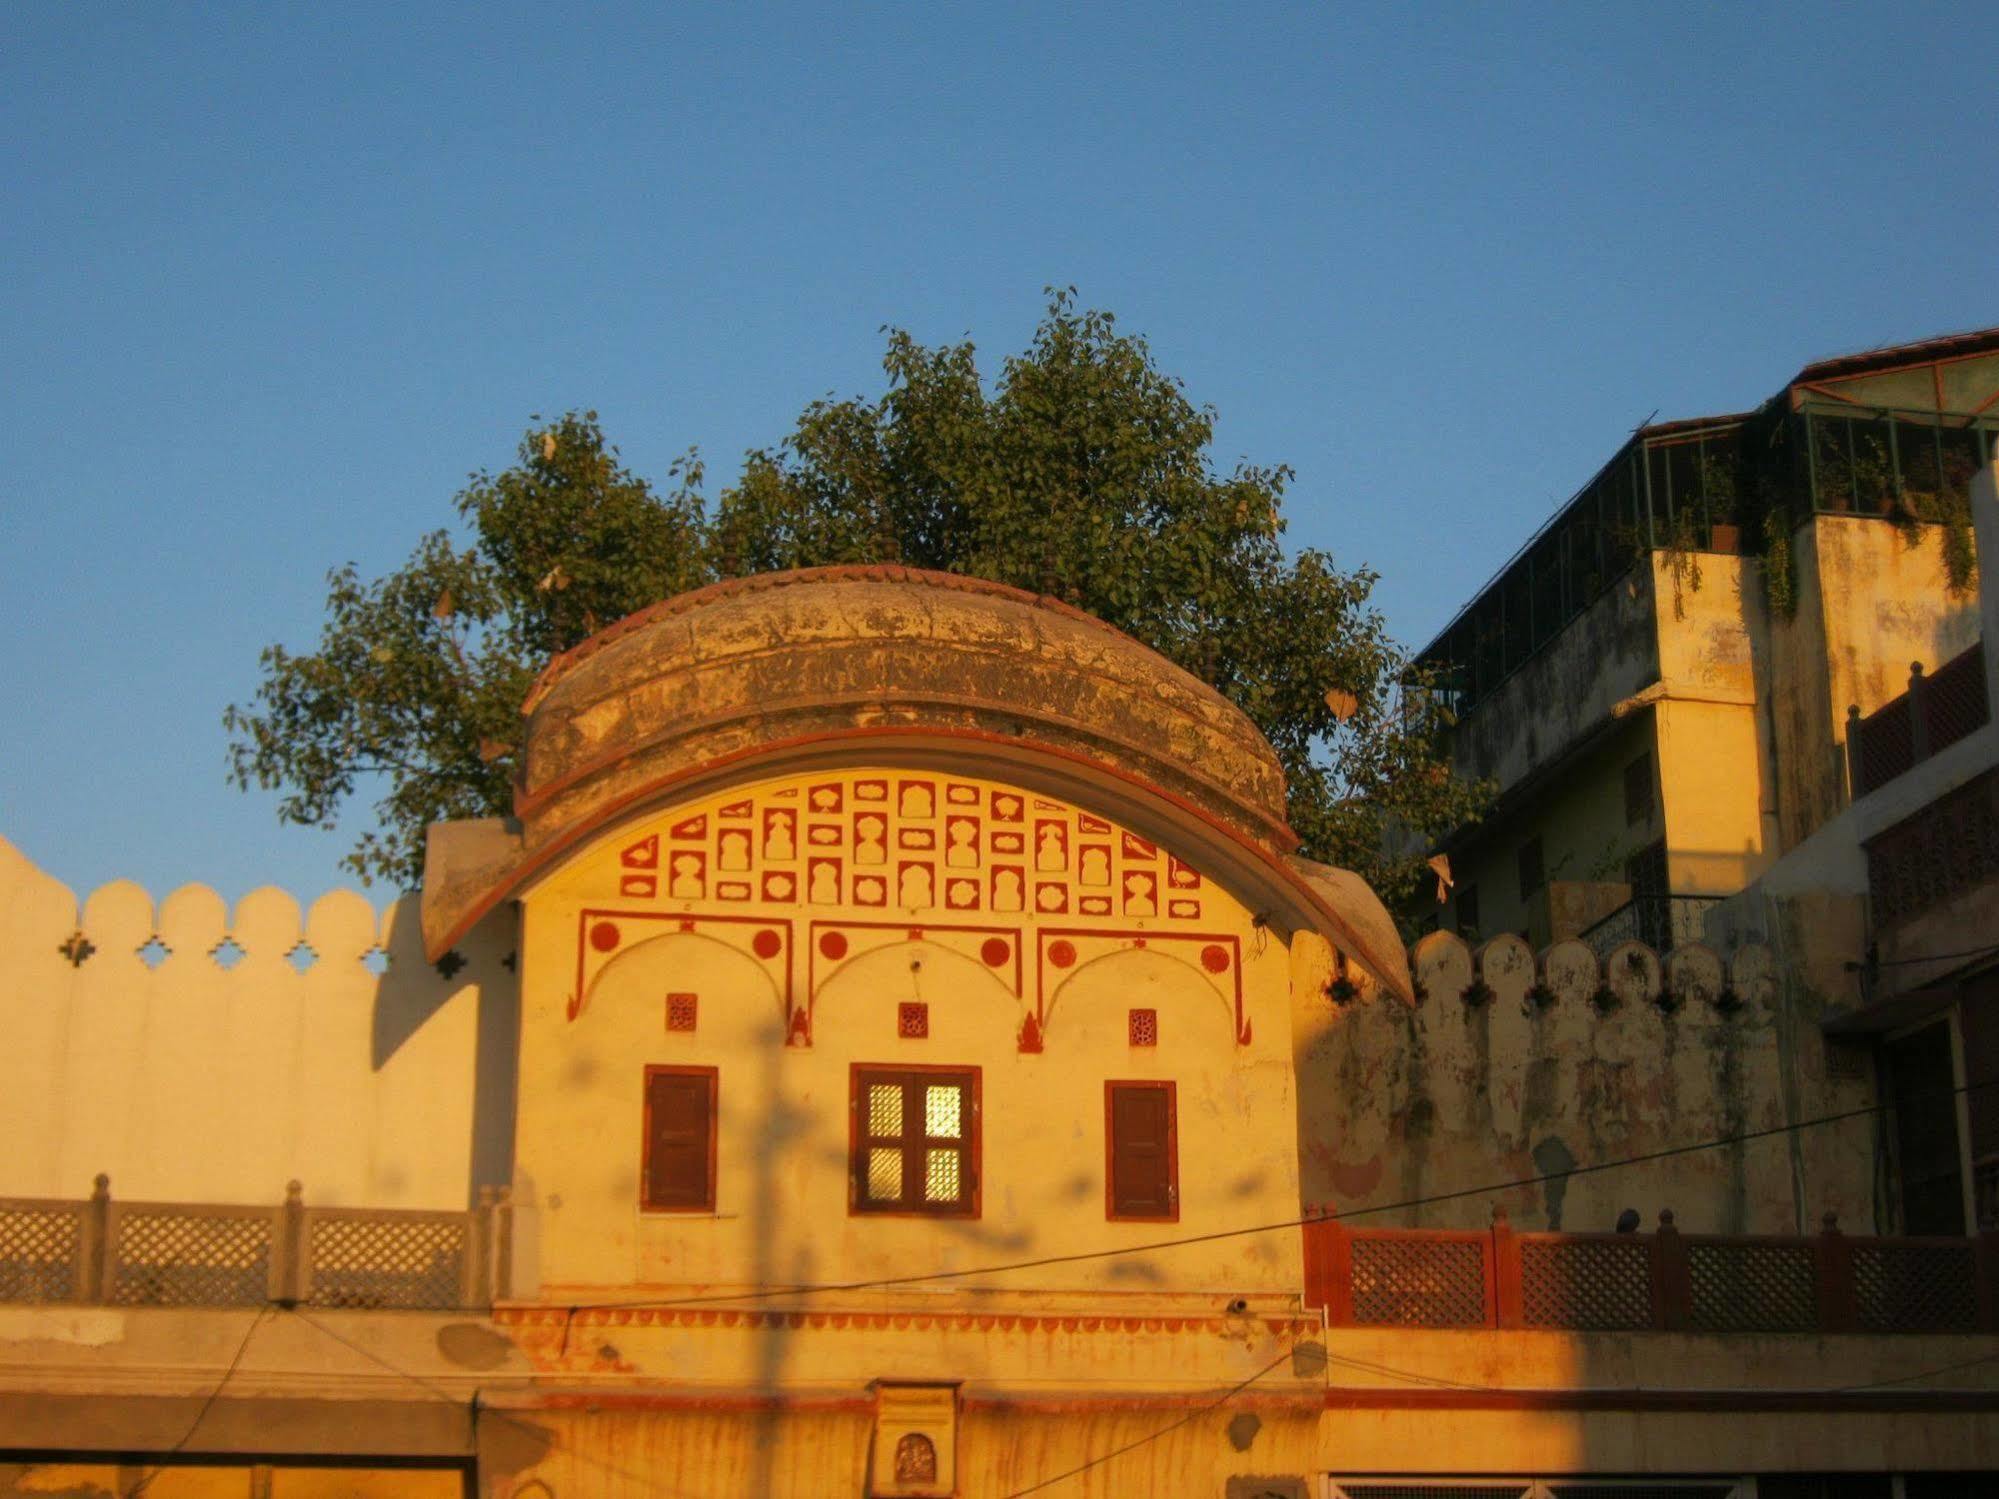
{"points": [[1591, 1284], [38, 1254], [1916, 1287], [409, 1263], [188, 1259], [1752, 1287], [1419, 1282]]}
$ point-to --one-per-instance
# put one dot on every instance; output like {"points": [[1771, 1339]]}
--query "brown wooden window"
{"points": [[915, 1140], [678, 1172], [1141, 1152]]}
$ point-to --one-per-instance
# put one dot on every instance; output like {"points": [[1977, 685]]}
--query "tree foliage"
{"points": [[1083, 471]]}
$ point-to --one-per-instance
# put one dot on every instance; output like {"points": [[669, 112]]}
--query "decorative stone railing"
{"points": [[98, 1251], [1571, 972], [1664, 1281]]}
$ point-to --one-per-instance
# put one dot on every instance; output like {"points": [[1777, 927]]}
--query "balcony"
{"points": [[1935, 712], [159, 1254], [1944, 851], [1661, 922], [1663, 1281]]}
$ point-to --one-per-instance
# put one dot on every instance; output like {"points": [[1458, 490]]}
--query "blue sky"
{"points": [[274, 279]]}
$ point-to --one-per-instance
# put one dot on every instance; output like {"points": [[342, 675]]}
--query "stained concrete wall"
{"points": [[1585, 836], [1514, 1066], [1567, 688], [1871, 599], [186, 1080]]}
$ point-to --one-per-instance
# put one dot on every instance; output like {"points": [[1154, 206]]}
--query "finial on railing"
{"points": [[1665, 1217], [1499, 1215], [294, 1191], [1830, 1222], [101, 1187]]}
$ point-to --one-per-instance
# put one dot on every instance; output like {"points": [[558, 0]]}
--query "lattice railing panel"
{"points": [[1752, 1286], [1916, 1287], [188, 1259], [1588, 1284], [1401, 1282], [406, 1262], [38, 1247]]}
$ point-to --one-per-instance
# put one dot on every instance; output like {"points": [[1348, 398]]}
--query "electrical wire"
{"points": [[1216, 1235], [1936, 957], [207, 1405], [477, 1412], [1150, 1437]]}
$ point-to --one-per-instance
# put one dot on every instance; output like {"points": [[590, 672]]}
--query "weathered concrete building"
{"points": [[893, 1049], [1717, 686]]}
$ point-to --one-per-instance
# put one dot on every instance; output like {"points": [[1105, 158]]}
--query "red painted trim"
{"points": [[1111, 1214], [823, 924], [675, 1400], [713, 1077], [1137, 938], [1064, 1405], [1797, 1402], [689, 925], [554, 1318], [974, 1145], [603, 818]]}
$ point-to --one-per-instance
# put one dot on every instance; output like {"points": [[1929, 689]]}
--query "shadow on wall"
{"points": [[487, 962]]}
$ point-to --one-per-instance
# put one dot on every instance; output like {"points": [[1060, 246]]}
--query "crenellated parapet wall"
{"points": [[197, 1052], [1516, 1066]]}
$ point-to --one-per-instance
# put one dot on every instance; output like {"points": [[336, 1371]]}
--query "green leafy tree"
{"points": [[1083, 471]]}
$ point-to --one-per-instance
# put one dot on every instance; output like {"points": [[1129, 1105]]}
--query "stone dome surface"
{"points": [[887, 664]]}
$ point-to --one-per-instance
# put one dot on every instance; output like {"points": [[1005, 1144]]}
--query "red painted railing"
{"points": [[1662, 1281]]}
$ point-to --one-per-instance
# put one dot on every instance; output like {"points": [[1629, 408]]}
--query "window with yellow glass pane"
{"points": [[916, 1140]]}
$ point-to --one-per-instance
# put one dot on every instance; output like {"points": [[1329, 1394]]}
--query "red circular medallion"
{"points": [[996, 951], [766, 944], [1215, 958], [1061, 952], [603, 936], [833, 944]]}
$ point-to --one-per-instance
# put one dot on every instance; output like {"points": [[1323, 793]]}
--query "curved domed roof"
{"points": [[784, 670]]}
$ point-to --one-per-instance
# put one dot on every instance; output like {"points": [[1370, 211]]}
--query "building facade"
{"points": [[894, 1049]]}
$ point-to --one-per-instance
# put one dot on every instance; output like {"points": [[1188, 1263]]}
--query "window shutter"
{"points": [[680, 1119], [1141, 1151]]}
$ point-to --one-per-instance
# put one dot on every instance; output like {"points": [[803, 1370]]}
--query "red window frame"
{"points": [[646, 1204], [859, 1142], [1111, 1213]]}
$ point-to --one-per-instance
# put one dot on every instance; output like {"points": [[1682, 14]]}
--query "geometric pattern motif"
{"points": [[1916, 1287], [1593, 1285], [189, 1259], [1419, 1282], [1752, 1287], [38, 1253], [408, 1263], [902, 843]]}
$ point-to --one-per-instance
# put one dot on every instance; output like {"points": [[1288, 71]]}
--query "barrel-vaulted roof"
{"points": [[894, 666]]}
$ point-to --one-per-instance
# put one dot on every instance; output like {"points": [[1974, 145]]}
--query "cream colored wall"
{"points": [[782, 1202], [191, 1082], [1708, 754]]}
